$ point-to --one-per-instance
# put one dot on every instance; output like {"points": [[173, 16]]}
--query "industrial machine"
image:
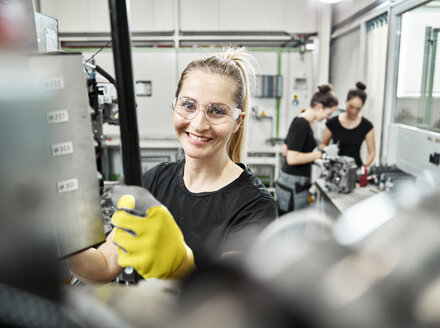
{"points": [[70, 150], [339, 173]]}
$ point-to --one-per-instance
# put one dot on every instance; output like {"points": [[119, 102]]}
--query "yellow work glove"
{"points": [[147, 237]]}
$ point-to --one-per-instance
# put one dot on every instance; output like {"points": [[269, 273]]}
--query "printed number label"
{"points": [[63, 148], [56, 83], [58, 116], [67, 185]]}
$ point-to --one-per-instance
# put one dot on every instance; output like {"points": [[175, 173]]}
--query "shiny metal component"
{"points": [[73, 181], [340, 174], [47, 33]]}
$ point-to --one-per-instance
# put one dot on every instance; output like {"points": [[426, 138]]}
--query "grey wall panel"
{"points": [[78, 16], [345, 66], [152, 15], [301, 16], [249, 15], [260, 15], [198, 15], [293, 16], [84, 16], [155, 113], [295, 67]]}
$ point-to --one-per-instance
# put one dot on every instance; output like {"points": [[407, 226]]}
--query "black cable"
{"points": [[98, 51], [101, 71]]}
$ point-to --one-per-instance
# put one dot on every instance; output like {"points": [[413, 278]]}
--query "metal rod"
{"points": [[121, 41]]}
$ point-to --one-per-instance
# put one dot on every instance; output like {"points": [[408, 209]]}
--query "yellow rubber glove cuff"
{"points": [[187, 265], [153, 245]]}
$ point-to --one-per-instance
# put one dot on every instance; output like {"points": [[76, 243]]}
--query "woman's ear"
{"points": [[239, 121]]}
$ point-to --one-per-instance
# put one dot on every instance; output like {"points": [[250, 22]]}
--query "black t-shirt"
{"points": [[212, 222], [299, 138], [350, 140]]}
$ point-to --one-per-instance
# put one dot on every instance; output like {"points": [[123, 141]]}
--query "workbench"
{"points": [[334, 203]]}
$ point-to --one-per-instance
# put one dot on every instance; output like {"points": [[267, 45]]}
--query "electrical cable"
{"points": [[101, 71], [98, 51]]}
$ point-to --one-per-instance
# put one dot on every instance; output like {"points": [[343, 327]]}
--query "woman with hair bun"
{"points": [[350, 129], [299, 150]]}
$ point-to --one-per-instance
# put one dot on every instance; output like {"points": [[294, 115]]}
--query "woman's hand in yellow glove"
{"points": [[147, 237]]}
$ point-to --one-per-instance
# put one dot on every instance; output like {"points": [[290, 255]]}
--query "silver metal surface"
{"points": [[73, 180], [47, 33], [340, 174]]}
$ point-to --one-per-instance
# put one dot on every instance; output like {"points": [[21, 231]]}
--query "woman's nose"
{"points": [[200, 122]]}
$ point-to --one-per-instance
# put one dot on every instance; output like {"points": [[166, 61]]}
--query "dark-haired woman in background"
{"points": [[299, 150], [350, 129]]}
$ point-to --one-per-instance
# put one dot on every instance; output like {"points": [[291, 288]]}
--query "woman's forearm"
{"points": [[370, 158], [96, 265], [298, 158]]}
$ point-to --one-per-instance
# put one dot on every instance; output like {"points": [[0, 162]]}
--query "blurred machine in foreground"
{"points": [[377, 266]]}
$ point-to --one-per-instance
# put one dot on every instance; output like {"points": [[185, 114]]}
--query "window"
{"points": [[418, 82]]}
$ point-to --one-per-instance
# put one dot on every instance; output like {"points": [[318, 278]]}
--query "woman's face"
{"points": [[199, 138], [354, 106], [325, 113]]}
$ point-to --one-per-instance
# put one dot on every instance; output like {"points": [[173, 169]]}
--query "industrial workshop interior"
{"points": [[306, 194]]}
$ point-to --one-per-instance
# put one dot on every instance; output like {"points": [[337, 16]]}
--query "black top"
{"points": [[350, 140], [299, 138], [211, 222]]}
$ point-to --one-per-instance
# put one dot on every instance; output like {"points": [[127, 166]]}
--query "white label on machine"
{"points": [[58, 116], [63, 148], [51, 40], [67, 185], [56, 83]]}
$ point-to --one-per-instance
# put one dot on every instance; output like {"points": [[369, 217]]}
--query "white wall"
{"points": [[249, 15], [345, 65], [297, 16], [81, 16], [154, 113]]}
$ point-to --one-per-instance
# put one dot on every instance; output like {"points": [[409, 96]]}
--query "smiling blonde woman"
{"points": [[211, 196]]}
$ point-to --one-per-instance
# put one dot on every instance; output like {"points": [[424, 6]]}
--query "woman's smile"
{"points": [[197, 138]]}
